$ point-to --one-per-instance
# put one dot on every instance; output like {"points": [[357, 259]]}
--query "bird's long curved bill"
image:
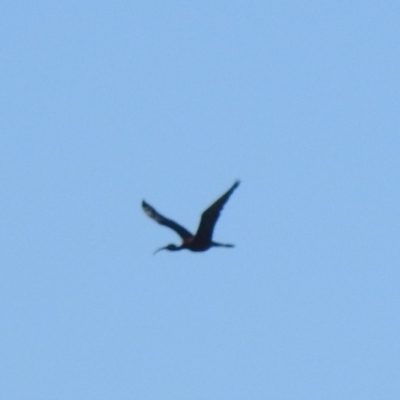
{"points": [[161, 248]]}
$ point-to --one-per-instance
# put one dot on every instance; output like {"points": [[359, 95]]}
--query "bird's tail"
{"points": [[216, 244]]}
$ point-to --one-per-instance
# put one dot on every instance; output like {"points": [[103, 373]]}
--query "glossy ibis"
{"points": [[202, 240]]}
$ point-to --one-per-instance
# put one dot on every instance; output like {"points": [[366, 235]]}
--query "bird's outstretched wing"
{"points": [[210, 216], [153, 214]]}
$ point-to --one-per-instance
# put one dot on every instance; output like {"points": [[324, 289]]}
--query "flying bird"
{"points": [[202, 240]]}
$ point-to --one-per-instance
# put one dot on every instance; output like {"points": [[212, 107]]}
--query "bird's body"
{"points": [[202, 240]]}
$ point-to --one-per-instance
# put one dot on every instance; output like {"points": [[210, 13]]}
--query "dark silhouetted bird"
{"points": [[202, 240]]}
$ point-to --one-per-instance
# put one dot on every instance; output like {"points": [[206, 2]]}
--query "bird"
{"points": [[202, 240]]}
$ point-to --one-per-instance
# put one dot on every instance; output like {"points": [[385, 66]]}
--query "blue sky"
{"points": [[108, 103]]}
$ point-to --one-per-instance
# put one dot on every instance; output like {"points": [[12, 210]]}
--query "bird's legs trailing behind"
{"points": [[216, 244]]}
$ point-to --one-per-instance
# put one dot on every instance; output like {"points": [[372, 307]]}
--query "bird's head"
{"points": [[170, 247]]}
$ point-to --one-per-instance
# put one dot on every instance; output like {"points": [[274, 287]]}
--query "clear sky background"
{"points": [[106, 103]]}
